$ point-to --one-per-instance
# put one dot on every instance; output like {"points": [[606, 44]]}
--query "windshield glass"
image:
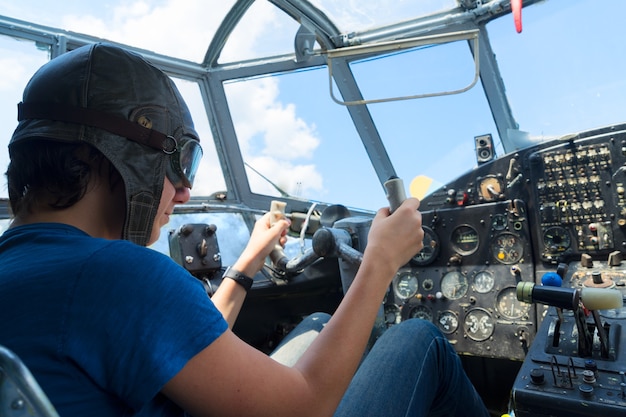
{"points": [[563, 73], [295, 141]]}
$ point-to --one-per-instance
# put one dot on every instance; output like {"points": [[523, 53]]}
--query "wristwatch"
{"points": [[241, 279]]}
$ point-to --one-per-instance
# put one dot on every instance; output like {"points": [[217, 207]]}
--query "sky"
{"points": [[562, 74]]}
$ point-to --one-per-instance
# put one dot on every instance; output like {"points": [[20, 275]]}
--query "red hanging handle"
{"points": [[516, 8]]}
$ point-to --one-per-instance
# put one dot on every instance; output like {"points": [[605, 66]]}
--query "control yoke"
{"points": [[328, 241]]}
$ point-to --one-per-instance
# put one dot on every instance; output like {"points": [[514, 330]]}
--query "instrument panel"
{"points": [[467, 285], [511, 219]]}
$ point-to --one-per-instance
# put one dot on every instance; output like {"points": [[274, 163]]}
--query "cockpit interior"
{"points": [[505, 118]]}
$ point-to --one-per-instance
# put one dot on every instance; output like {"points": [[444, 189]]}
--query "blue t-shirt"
{"points": [[102, 324]]}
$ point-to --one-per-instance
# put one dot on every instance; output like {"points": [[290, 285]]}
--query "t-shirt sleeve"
{"points": [[135, 319]]}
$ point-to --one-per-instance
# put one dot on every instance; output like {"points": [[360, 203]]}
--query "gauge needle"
{"points": [[492, 190]]}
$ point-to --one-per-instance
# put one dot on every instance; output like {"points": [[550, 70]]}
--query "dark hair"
{"points": [[44, 172]]}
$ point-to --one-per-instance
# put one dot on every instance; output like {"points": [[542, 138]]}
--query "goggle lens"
{"points": [[184, 163]]}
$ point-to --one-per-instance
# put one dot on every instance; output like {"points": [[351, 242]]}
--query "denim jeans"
{"points": [[412, 370]]}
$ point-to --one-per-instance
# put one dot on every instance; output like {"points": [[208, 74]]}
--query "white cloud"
{"points": [[179, 28], [273, 138], [296, 180], [287, 135]]}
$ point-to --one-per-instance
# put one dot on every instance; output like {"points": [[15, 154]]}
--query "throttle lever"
{"points": [[394, 187], [277, 255]]}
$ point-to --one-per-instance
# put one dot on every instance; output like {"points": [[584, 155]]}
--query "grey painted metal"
{"points": [[226, 142], [314, 19], [477, 12], [60, 41], [20, 393]]}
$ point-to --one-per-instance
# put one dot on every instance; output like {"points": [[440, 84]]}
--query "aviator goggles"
{"points": [[184, 161], [185, 153]]}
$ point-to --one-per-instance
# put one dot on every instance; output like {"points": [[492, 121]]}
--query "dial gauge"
{"points": [[430, 250], [448, 322], [498, 222], [509, 306], [454, 285], [464, 239], [556, 239], [478, 325], [420, 311], [483, 282], [392, 314], [405, 284], [490, 188], [507, 248]]}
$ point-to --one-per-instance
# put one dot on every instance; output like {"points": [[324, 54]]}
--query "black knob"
{"points": [[537, 377], [597, 277]]}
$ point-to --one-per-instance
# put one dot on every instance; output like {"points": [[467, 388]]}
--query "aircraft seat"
{"points": [[20, 394]]}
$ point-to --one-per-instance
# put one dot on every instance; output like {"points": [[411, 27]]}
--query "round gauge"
{"points": [[405, 284], [556, 239], [420, 311], [490, 188], [464, 239], [448, 321], [428, 284], [509, 306], [454, 285], [483, 282], [498, 222], [392, 314], [507, 248], [430, 250], [478, 325]]}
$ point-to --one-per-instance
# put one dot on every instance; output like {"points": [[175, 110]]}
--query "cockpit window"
{"points": [[296, 141], [210, 177], [431, 137], [262, 31]]}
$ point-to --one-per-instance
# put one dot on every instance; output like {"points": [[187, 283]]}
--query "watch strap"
{"points": [[241, 279]]}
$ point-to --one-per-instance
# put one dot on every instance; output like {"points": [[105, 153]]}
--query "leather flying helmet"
{"points": [[128, 109]]}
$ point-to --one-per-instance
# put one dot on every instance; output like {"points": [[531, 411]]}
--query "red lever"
{"points": [[516, 8]]}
